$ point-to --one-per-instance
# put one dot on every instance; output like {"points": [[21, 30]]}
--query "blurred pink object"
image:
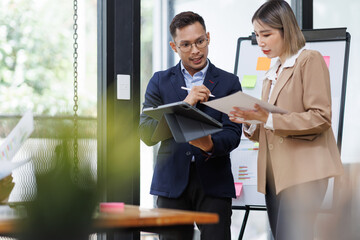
{"points": [[112, 206]]}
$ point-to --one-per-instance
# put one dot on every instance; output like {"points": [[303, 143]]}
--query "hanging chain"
{"points": [[75, 108]]}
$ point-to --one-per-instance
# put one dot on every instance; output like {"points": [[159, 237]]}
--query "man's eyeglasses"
{"points": [[200, 43]]}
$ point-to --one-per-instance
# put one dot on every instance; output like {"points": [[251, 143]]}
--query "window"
{"points": [[36, 73]]}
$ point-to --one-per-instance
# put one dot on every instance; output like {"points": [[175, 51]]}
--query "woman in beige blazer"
{"points": [[297, 150]]}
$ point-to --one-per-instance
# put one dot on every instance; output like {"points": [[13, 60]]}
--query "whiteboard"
{"points": [[251, 65]]}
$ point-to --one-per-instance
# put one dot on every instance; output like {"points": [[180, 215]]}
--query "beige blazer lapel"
{"points": [[266, 91], [280, 83]]}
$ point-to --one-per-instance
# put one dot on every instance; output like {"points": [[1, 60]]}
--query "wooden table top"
{"points": [[131, 217], [8, 226], [135, 216]]}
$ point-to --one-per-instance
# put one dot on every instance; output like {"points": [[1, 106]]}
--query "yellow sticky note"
{"points": [[249, 81], [263, 64]]}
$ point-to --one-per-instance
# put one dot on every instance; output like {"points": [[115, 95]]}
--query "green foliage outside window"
{"points": [[36, 61]]}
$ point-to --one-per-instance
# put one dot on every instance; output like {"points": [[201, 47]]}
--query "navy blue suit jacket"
{"points": [[172, 166]]}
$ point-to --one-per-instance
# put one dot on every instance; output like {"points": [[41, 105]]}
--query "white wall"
{"points": [[226, 22]]}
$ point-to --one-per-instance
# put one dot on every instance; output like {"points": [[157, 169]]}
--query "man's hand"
{"points": [[6, 185], [205, 143], [197, 94]]}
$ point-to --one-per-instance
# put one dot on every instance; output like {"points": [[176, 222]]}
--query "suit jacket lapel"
{"points": [[280, 83], [211, 77], [177, 80]]}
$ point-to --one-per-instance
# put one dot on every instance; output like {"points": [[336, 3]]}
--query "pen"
{"points": [[185, 88]]}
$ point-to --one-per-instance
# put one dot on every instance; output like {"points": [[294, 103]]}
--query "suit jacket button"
{"points": [[281, 140], [188, 153], [271, 147]]}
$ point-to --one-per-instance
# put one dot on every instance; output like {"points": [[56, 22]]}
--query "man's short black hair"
{"points": [[184, 19]]}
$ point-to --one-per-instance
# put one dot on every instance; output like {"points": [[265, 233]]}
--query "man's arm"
{"points": [[200, 94], [223, 142], [147, 124], [205, 143]]}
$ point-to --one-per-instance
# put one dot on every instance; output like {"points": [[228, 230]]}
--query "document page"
{"points": [[242, 101], [12, 144]]}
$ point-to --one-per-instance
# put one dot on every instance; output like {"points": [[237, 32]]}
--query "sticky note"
{"points": [[238, 188], [327, 60], [249, 81], [112, 206], [263, 64]]}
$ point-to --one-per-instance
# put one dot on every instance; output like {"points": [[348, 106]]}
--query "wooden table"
{"points": [[134, 219]]}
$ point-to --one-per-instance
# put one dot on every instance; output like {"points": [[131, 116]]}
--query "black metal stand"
{"points": [[247, 209]]}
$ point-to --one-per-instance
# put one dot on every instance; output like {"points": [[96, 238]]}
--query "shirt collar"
{"points": [[202, 72], [289, 62]]}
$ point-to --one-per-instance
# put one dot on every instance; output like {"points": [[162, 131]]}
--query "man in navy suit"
{"points": [[196, 175]]}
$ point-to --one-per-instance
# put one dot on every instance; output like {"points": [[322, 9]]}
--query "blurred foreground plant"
{"points": [[62, 208]]}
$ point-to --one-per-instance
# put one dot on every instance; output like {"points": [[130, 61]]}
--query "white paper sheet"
{"points": [[12, 144], [242, 101]]}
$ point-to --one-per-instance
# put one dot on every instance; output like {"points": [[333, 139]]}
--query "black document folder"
{"points": [[181, 121]]}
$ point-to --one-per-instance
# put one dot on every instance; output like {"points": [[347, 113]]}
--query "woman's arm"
{"points": [[316, 101]]}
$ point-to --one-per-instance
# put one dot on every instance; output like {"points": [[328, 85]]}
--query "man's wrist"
{"points": [[210, 146]]}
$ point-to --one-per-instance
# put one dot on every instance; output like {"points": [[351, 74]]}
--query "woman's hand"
{"points": [[6, 185], [239, 116]]}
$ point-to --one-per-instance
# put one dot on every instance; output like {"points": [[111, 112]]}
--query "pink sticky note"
{"points": [[327, 60], [238, 188], [112, 206]]}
